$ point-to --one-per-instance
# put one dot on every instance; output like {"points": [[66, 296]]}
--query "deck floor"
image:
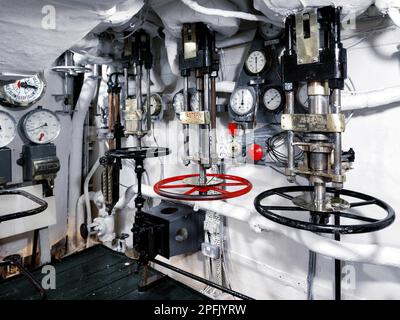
{"points": [[96, 273]]}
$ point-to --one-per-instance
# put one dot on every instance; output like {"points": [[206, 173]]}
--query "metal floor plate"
{"points": [[96, 273]]}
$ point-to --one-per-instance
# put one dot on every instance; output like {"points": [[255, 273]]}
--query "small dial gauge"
{"points": [[23, 92], [41, 126], [195, 102], [273, 99], [155, 104], [302, 95], [242, 101], [270, 31], [177, 102], [256, 62], [8, 128]]}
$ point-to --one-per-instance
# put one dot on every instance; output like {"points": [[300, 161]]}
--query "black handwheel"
{"points": [[138, 152], [367, 224]]}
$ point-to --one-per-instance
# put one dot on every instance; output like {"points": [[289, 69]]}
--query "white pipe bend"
{"points": [[346, 251]]}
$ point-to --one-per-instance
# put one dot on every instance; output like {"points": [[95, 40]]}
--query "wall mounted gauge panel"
{"points": [[156, 106], [40, 126], [177, 102], [242, 103], [302, 95], [8, 128], [270, 31], [24, 92], [257, 62], [274, 99]]}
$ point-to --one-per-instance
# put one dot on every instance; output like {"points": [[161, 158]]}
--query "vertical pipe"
{"points": [[336, 101], [186, 140], [148, 102], [139, 94], [290, 134], [213, 119]]}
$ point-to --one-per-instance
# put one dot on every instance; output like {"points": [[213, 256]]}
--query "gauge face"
{"points": [[8, 128], [242, 101], [41, 126], [24, 92], [177, 102], [270, 31], [273, 99], [195, 102], [155, 104], [256, 62], [302, 95]]}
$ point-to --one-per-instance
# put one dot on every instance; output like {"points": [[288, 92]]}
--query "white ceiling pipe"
{"points": [[223, 13], [346, 251], [75, 158], [394, 14], [370, 99], [171, 45]]}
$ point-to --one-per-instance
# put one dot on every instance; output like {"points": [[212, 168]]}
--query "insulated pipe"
{"points": [[75, 158], [394, 14], [370, 99], [171, 45], [223, 13], [346, 251]]}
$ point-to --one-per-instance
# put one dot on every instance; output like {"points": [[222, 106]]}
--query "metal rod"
{"points": [[337, 158], [290, 134], [148, 126], [202, 280], [186, 139]]}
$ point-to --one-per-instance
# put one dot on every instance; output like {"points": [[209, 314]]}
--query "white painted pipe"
{"points": [[370, 99], [346, 251], [171, 45], [158, 85], [80, 217], [225, 86], [223, 13], [394, 14], [240, 38], [75, 159]]}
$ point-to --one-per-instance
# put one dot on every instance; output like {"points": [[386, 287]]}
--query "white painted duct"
{"points": [[240, 38], [370, 99], [366, 253], [75, 159], [213, 11], [171, 45], [225, 86], [394, 14]]}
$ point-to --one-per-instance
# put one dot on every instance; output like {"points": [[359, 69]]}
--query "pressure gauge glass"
{"points": [[256, 62], [302, 95], [270, 31], [273, 99], [177, 103], [23, 92], [155, 104], [195, 102], [242, 101], [8, 128], [41, 126]]}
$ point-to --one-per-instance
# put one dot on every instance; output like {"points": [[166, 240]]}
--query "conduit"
{"points": [[370, 99], [346, 251], [223, 13], [75, 159]]}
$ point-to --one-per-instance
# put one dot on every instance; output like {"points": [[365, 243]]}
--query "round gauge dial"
{"points": [[23, 92], [41, 126], [302, 95], [155, 104], [242, 101], [256, 62], [270, 31], [273, 99], [8, 128], [177, 102], [195, 102]]}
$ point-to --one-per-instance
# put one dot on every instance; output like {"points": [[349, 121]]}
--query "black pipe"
{"points": [[202, 280], [338, 267]]}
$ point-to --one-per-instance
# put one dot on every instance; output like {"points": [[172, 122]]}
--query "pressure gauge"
{"points": [[24, 92], [242, 101], [256, 62], [41, 126], [195, 102], [274, 99], [156, 104], [302, 95], [270, 31], [8, 128], [177, 102]]}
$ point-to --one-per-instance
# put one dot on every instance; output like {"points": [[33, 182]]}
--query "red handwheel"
{"points": [[217, 187]]}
